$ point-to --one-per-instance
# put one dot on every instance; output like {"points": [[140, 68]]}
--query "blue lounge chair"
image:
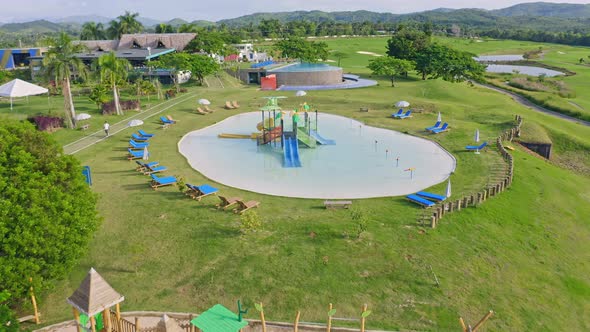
{"points": [[441, 129], [198, 192], [135, 145], [154, 169], [395, 115], [431, 196], [407, 115], [134, 154], [166, 121], [138, 138], [436, 125], [419, 200], [144, 134], [476, 147], [141, 166], [161, 181]]}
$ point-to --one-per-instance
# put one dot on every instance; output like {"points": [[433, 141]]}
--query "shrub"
{"points": [[250, 222], [126, 105], [47, 122]]}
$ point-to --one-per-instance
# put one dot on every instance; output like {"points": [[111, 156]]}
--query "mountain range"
{"points": [[534, 14]]}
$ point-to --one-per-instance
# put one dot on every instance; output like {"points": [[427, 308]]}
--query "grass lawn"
{"points": [[524, 254]]}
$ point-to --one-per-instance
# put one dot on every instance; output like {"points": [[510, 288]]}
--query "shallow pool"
{"points": [[362, 164], [503, 57], [304, 67]]}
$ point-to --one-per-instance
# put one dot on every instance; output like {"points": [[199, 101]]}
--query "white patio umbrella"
{"points": [[204, 102], [146, 154], [477, 139], [439, 118], [300, 93], [20, 88], [82, 116], [449, 188], [135, 123], [402, 103]]}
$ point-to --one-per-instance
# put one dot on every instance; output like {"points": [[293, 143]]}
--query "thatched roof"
{"points": [[177, 41], [94, 295], [167, 324], [100, 45]]}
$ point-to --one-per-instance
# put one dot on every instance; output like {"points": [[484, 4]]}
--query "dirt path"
{"points": [[99, 136], [525, 102]]}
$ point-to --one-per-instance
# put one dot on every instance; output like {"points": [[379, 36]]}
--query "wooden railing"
{"points": [[490, 190]]}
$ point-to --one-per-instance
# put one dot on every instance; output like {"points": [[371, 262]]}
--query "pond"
{"points": [[526, 70], [494, 58]]}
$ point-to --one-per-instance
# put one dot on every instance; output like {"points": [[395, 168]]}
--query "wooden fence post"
{"points": [[296, 325], [330, 318], [363, 317], [433, 222]]}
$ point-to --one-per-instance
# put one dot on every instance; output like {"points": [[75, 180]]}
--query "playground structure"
{"points": [[290, 130]]}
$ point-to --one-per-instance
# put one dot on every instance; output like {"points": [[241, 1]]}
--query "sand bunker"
{"points": [[369, 53]]}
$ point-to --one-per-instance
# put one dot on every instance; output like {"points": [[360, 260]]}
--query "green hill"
{"points": [[39, 26], [176, 22], [566, 10]]}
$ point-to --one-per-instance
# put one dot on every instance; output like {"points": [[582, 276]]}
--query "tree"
{"points": [[339, 55], [199, 65], [48, 211], [99, 95], [406, 44], [438, 61], [165, 28], [208, 42], [188, 27], [390, 66], [126, 23], [60, 63], [8, 320], [92, 31], [298, 48], [113, 71]]}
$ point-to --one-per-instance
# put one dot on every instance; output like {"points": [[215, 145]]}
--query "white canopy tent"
{"points": [[19, 88]]}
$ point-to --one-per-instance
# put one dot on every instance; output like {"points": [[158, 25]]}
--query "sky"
{"points": [[25, 10]]}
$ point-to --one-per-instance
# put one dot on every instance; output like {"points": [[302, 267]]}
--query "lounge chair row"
{"points": [[137, 143], [231, 105], [400, 114], [476, 147], [205, 110], [436, 129], [198, 192], [167, 120], [425, 199]]}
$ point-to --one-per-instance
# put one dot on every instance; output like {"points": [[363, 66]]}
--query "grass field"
{"points": [[524, 254]]}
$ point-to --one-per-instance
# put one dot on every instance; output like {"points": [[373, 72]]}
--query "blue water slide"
{"points": [[321, 139], [291, 152]]}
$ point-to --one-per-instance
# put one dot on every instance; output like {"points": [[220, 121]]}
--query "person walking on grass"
{"points": [[106, 127]]}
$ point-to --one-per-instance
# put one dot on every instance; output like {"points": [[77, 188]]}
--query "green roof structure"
{"points": [[218, 319]]}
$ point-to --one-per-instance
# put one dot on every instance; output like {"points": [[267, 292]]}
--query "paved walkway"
{"points": [[99, 136], [525, 102]]}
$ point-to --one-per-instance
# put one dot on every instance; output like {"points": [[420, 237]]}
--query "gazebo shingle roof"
{"points": [[94, 295]]}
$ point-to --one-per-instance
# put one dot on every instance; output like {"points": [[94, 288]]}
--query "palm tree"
{"points": [[188, 27], [164, 28], [92, 31], [112, 71], [60, 63], [124, 24]]}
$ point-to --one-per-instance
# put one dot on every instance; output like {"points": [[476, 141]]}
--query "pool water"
{"points": [[526, 70], [362, 164], [304, 67]]}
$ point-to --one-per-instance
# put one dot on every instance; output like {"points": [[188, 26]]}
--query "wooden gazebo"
{"points": [[95, 295]]}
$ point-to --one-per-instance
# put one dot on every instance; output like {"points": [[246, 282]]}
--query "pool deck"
{"points": [[351, 82]]}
